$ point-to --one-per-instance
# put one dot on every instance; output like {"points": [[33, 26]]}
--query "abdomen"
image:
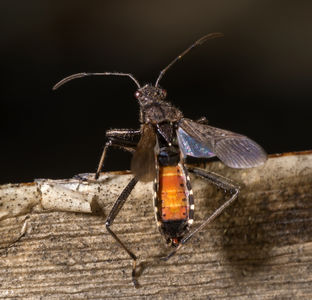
{"points": [[172, 194], [174, 202]]}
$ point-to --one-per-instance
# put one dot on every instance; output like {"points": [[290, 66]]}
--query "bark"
{"points": [[259, 248]]}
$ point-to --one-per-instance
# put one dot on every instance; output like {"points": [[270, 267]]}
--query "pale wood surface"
{"points": [[260, 248]]}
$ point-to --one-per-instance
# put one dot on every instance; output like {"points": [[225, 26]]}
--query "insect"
{"points": [[160, 148]]}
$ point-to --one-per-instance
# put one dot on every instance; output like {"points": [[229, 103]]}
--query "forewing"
{"points": [[233, 149], [143, 160]]}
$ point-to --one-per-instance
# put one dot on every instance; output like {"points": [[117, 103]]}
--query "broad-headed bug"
{"points": [[160, 148]]}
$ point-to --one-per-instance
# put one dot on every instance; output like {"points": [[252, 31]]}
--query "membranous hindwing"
{"points": [[233, 149], [191, 147]]}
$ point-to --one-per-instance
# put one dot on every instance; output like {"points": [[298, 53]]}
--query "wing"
{"points": [[192, 147], [233, 149], [143, 160]]}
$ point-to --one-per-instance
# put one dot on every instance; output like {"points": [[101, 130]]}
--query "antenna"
{"points": [[197, 43], [80, 75]]}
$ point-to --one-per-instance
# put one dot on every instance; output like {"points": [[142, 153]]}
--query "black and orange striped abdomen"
{"points": [[173, 194]]}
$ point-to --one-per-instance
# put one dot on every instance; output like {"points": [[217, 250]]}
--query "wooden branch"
{"points": [[260, 248]]}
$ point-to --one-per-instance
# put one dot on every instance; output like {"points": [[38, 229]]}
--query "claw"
{"points": [[134, 280], [173, 252]]}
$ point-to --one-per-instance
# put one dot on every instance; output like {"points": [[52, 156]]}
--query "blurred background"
{"points": [[255, 81]]}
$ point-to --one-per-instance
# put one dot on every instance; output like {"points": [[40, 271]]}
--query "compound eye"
{"points": [[137, 94], [164, 93]]}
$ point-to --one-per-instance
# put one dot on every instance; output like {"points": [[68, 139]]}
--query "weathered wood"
{"points": [[260, 248]]}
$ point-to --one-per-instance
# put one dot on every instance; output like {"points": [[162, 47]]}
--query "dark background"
{"points": [[256, 80]]}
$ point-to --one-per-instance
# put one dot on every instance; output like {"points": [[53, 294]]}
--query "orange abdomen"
{"points": [[172, 194]]}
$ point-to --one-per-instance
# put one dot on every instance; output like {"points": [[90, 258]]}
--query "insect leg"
{"points": [[125, 139], [221, 182], [202, 120], [113, 214]]}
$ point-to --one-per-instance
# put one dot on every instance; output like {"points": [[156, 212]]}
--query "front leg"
{"points": [[126, 139], [221, 182]]}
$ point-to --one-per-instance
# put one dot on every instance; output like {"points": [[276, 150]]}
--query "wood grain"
{"points": [[260, 248]]}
